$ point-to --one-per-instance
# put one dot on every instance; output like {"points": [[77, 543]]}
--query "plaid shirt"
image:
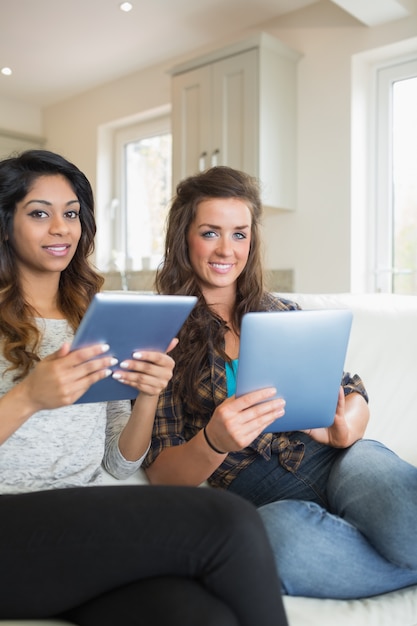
{"points": [[175, 423]]}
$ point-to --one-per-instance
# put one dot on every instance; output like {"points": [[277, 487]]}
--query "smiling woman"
{"points": [[45, 236], [219, 248], [103, 555], [320, 492]]}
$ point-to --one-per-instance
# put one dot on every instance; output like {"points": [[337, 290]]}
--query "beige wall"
{"points": [[314, 240], [72, 127], [20, 118]]}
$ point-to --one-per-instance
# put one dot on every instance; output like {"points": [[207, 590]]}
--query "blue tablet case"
{"points": [[302, 355], [129, 322]]}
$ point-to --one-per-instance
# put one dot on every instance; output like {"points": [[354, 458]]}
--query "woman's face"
{"points": [[219, 240], [46, 226]]}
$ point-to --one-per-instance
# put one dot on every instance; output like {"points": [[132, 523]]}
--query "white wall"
{"points": [[314, 240], [20, 118], [20, 127], [72, 127]]}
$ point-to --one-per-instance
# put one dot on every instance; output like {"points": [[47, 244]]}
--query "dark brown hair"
{"points": [[204, 330], [78, 283]]}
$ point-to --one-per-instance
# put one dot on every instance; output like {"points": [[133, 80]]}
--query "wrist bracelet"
{"points": [[210, 445]]}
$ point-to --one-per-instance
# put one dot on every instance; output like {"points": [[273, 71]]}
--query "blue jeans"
{"points": [[344, 525]]}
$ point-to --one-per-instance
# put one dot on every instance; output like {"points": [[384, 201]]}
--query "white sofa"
{"points": [[383, 350]]}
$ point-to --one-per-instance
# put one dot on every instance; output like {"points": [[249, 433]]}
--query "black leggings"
{"points": [[137, 556]]}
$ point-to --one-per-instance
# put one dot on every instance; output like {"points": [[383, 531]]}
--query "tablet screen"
{"points": [[129, 322]]}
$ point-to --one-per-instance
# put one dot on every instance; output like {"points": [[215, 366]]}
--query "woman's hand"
{"points": [[238, 421], [149, 372], [62, 377], [349, 424], [235, 423]]}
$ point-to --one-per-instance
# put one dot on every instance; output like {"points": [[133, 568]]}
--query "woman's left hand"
{"points": [[147, 371], [351, 418]]}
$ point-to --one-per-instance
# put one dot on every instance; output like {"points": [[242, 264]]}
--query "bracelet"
{"points": [[210, 445]]}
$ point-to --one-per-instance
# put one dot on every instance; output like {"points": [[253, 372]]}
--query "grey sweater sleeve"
{"points": [[118, 413]]}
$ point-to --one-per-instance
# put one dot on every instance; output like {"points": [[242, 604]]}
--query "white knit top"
{"points": [[64, 447]]}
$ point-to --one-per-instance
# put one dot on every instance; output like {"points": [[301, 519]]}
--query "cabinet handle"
{"points": [[202, 161], [214, 157]]}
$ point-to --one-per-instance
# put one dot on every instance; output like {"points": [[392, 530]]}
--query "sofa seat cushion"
{"points": [[398, 608]]}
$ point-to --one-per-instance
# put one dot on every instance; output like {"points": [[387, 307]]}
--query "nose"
{"points": [[59, 225], [224, 247]]}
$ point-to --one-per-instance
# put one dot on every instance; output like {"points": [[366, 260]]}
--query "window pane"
{"points": [[148, 191], [404, 200]]}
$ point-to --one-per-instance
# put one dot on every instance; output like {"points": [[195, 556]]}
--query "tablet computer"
{"points": [[302, 355], [128, 322]]}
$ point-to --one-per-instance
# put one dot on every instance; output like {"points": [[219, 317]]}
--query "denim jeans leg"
{"points": [[341, 526], [321, 555], [265, 480], [376, 491]]}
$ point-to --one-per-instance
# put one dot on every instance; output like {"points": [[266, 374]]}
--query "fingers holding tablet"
{"points": [[148, 371]]}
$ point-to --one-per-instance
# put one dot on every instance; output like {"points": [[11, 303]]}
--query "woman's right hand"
{"points": [[236, 422], [63, 376]]}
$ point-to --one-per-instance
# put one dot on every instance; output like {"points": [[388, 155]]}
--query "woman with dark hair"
{"points": [[105, 555], [339, 510]]}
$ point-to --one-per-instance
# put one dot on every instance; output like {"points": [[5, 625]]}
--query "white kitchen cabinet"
{"points": [[237, 107]]}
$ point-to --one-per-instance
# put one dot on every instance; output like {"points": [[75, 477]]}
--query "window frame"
{"points": [[370, 155], [110, 195], [122, 136], [386, 77]]}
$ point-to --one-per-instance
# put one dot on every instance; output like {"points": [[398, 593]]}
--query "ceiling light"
{"points": [[6, 71], [126, 6]]}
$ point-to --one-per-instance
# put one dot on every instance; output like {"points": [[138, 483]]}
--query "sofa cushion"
{"points": [[382, 350], [398, 608]]}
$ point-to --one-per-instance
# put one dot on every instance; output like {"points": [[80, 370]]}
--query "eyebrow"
{"points": [[215, 227], [47, 203]]}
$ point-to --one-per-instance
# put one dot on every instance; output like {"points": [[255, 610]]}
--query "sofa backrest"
{"points": [[383, 352]]}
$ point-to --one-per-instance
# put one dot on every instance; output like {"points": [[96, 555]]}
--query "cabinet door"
{"points": [[236, 112], [238, 108], [191, 122]]}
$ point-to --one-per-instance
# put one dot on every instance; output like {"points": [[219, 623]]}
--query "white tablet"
{"points": [[302, 355], [129, 322]]}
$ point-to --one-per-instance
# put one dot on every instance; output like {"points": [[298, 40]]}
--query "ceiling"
{"points": [[59, 48]]}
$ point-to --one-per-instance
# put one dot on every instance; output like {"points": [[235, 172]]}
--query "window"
{"points": [[132, 207], [143, 158], [396, 180]]}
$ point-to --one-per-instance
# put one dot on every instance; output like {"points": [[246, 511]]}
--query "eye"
{"points": [[38, 214], [72, 214], [239, 236], [209, 234]]}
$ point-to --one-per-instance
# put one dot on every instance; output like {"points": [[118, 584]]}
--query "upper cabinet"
{"points": [[237, 107]]}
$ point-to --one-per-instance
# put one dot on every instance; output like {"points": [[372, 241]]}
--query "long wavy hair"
{"points": [[204, 330], [78, 282]]}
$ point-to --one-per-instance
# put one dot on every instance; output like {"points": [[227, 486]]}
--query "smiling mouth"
{"points": [[221, 266], [58, 249]]}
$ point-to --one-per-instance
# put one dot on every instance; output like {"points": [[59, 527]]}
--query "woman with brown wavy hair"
{"points": [[325, 495], [129, 555], [78, 280], [208, 328]]}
